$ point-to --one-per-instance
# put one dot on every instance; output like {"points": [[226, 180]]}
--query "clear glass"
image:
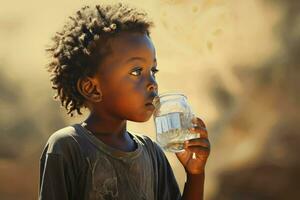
{"points": [[172, 118]]}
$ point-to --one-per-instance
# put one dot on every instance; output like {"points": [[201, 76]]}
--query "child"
{"points": [[104, 60]]}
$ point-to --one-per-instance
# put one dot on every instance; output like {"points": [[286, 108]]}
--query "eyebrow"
{"points": [[138, 58]]}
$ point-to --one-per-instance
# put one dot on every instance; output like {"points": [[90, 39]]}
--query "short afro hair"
{"points": [[73, 52]]}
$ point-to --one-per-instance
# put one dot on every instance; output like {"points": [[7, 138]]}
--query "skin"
{"points": [[118, 92]]}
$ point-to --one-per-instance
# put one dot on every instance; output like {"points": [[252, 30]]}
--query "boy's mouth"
{"points": [[151, 103], [150, 106]]}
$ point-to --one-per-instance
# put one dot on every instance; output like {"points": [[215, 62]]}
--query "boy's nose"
{"points": [[152, 85]]}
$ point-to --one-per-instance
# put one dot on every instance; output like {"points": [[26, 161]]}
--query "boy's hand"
{"points": [[196, 150]]}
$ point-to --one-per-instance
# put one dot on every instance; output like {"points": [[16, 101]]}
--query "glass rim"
{"points": [[167, 94], [171, 94]]}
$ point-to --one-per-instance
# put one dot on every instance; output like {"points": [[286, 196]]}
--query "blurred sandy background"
{"points": [[237, 62]]}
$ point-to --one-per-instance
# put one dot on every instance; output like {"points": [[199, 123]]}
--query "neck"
{"points": [[105, 126]]}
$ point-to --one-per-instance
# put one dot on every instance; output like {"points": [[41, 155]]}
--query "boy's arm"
{"points": [[57, 168], [193, 160], [194, 186], [53, 183]]}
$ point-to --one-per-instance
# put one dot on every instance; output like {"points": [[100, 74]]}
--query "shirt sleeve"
{"points": [[54, 180], [168, 188]]}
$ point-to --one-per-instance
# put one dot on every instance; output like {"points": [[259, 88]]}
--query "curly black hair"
{"points": [[73, 52]]}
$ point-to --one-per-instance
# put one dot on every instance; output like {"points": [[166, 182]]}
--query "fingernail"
{"points": [[194, 156]]}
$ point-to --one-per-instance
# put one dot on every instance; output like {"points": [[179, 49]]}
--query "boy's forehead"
{"points": [[129, 45]]}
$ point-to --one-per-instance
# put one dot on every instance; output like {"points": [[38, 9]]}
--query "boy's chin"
{"points": [[143, 118]]}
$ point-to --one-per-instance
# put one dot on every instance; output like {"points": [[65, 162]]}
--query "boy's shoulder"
{"points": [[144, 139], [62, 140], [149, 143], [62, 134]]}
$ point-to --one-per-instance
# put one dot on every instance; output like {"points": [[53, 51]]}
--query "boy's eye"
{"points": [[136, 72], [154, 71]]}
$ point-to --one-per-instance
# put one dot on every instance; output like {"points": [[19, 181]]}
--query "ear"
{"points": [[89, 88]]}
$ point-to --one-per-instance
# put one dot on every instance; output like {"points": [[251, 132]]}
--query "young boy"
{"points": [[104, 60]]}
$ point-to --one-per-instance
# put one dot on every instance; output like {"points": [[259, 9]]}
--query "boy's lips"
{"points": [[150, 103], [151, 100], [150, 106]]}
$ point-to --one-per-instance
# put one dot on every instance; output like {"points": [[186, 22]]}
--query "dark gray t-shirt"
{"points": [[75, 165]]}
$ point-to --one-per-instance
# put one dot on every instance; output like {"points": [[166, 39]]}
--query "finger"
{"points": [[198, 122], [203, 142], [198, 150], [199, 130], [199, 127]]}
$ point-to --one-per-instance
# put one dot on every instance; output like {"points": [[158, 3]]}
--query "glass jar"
{"points": [[173, 117]]}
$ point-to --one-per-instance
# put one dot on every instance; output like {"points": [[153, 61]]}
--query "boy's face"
{"points": [[127, 78]]}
